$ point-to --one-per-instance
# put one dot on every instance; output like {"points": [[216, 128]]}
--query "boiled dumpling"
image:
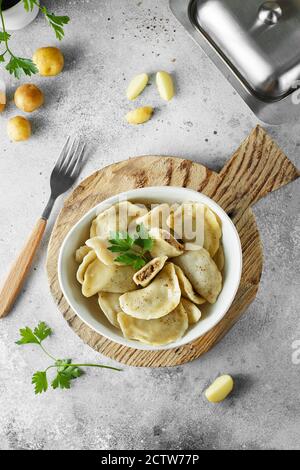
{"points": [[100, 247], [192, 311], [87, 259], [144, 276], [157, 217], [219, 258], [164, 244], [109, 304], [155, 332], [100, 277], [116, 218], [212, 232], [157, 299], [198, 226], [187, 222], [81, 253], [186, 287], [202, 272]]}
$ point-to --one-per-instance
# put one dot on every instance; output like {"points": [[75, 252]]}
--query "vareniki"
{"points": [[152, 269]]}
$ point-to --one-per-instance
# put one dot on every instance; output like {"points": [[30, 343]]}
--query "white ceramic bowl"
{"points": [[88, 309]]}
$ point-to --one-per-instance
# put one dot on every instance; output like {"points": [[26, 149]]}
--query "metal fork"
{"points": [[64, 174]]}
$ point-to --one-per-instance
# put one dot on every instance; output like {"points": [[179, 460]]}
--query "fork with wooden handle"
{"points": [[64, 174]]}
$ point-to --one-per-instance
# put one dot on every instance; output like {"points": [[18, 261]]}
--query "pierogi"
{"points": [[152, 268]]}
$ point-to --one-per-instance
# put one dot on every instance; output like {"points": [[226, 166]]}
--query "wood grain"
{"points": [[227, 188], [20, 268]]}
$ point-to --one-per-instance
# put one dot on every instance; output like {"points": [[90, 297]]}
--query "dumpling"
{"points": [[212, 232], [144, 276], [157, 299], [202, 272], [100, 277], [186, 287], [157, 217], [81, 253], [116, 218], [192, 311], [164, 244], [109, 304], [87, 259], [155, 332], [188, 221], [219, 258], [100, 247]]}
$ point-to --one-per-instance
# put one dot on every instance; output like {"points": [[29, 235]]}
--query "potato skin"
{"points": [[49, 61], [28, 97], [2, 107], [18, 129]]}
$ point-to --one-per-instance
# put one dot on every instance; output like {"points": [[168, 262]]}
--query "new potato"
{"points": [[28, 97], [49, 61], [18, 129]]}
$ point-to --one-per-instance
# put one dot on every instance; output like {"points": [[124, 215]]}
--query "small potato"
{"points": [[136, 86], [28, 97], [219, 389], [165, 85], [2, 99], [49, 61], [18, 129], [139, 115]]}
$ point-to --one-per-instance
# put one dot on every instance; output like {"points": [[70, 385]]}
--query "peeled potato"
{"points": [[219, 389], [165, 85], [28, 97], [136, 86], [139, 115], [18, 129], [49, 61]]}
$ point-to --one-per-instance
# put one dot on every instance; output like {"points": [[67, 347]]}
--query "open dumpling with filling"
{"points": [[164, 244], [117, 218], [155, 332], [202, 272], [186, 287], [98, 277], [144, 276], [159, 298], [193, 312], [109, 304]]}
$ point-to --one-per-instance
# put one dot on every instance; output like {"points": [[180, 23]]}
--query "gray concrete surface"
{"points": [[107, 43]]}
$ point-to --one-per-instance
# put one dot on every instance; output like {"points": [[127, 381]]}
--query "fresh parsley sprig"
{"points": [[20, 65], [134, 250], [65, 369]]}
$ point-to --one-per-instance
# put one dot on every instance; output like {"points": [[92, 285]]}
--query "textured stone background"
{"points": [[107, 43]]}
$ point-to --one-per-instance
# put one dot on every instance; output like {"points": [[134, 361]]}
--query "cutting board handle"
{"points": [[257, 168]]}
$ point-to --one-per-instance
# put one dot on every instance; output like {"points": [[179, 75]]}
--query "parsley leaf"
{"points": [[42, 331], [65, 369], [4, 36], [40, 382], [133, 249], [18, 65], [28, 4], [56, 22], [27, 337]]}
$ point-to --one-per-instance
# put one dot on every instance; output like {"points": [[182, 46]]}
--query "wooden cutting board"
{"points": [[257, 168]]}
